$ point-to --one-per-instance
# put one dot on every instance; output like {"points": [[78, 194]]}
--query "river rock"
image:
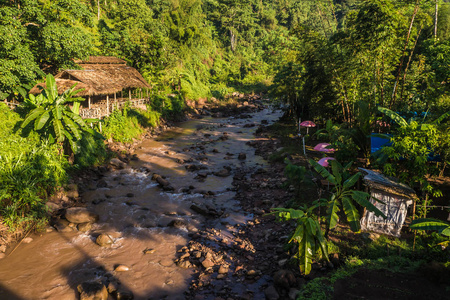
{"points": [[185, 264], [72, 194], [200, 209], [121, 268], [177, 224], [98, 201], [52, 206], [222, 173], [101, 184], [84, 227], [242, 156], [124, 295], [161, 181], [62, 225], [223, 269], [271, 293], [81, 215], [117, 163], [104, 240], [195, 167], [293, 293], [207, 263], [149, 251], [72, 187], [284, 279], [27, 240], [92, 290]]}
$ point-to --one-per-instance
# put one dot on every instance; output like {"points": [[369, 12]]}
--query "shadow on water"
{"points": [[5, 293]]}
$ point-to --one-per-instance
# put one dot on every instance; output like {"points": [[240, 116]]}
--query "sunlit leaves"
{"points": [[307, 236]]}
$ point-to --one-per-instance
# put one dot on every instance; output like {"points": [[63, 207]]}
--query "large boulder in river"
{"points": [[92, 290], [80, 215]]}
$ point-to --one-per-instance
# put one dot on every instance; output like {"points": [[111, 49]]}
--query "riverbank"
{"points": [[192, 168], [68, 195]]}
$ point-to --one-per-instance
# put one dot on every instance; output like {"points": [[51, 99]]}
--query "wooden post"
{"points": [[115, 100], [89, 102], [107, 105], [129, 94]]}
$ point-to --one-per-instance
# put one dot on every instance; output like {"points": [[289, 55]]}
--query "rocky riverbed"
{"points": [[183, 217]]}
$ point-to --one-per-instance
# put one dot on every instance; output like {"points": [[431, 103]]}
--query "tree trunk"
{"points": [[98, 9], [232, 40], [436, 19], [409, 61], [394, 92]]}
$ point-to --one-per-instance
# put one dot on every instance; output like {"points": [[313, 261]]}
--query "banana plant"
{"points": [[53, 118], [433, 224], [343, 195], [308, 235]]}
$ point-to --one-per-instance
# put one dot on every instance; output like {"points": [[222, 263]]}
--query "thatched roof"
{"points": [[63, 85], [100, 75], [101, 60], [377, 181]]}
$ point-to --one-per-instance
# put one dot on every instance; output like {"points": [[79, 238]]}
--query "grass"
{"points": [[129, 123], [30, 170]]}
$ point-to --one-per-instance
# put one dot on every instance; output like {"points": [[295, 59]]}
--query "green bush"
{"points": [[129, 123], [29, 172], [121, 127], [92, 152]]}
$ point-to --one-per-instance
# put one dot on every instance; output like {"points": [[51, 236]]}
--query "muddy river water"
{"points": [[198, 159]]}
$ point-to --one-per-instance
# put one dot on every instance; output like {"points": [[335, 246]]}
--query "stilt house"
{"points": [[108, 84]]}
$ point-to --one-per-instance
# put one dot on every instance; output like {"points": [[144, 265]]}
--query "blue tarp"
{"points": [[376, 143]]}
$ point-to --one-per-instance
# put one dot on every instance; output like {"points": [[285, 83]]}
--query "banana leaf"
{"points": [[322, 171], [352, 214], [332, 212], [393, 115], [362, 198], [430, 224]]}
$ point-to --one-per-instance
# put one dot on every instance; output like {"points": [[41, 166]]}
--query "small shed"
{"points": [[397, 197], [108, 83]]}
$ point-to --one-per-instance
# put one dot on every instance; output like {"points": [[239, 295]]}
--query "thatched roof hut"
{"points": [[100, 75], [396, 197]]}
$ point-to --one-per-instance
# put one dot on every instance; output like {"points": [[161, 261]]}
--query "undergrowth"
{"points": [[30, 171], [129, 123]]}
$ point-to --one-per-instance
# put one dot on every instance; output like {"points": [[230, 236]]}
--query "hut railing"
{"points": [[100, 109]]}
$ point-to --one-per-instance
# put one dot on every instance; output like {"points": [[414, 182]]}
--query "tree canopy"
{"points": [[318, 56]]}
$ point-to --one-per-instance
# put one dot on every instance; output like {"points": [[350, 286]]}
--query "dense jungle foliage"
{"points": [[335, 60]]}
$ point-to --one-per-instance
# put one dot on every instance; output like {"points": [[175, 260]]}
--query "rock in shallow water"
{"points": [[92, 290], [80, 215], [104, 240], [84, 227], [121, 268]]}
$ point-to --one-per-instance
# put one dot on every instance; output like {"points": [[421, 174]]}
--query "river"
{"points": [[139, 215]]}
